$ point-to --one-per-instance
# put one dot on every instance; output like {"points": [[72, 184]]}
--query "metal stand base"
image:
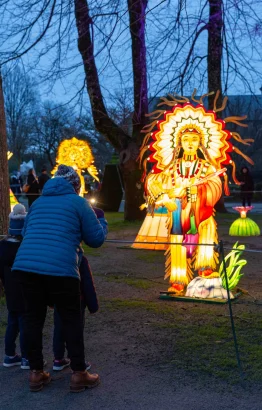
{"points": [[177, 298]]}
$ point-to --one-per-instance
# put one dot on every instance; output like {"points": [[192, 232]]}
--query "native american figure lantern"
{"points": [[77, 154], [190, 148]]}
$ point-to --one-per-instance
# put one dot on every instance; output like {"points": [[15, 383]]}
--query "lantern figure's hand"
{"points": [[169, 204], [177, 192]]}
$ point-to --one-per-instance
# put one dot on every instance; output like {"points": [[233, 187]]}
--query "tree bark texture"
{"points": [[127, 147], [214, 62], [103, 123], [137, 10], [215, 49], [4, 179]]}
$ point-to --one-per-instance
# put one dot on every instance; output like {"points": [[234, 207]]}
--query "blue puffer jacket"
{"points": [[56, 224]]}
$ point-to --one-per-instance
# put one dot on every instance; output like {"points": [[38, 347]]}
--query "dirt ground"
{"points": [[152, 353]]}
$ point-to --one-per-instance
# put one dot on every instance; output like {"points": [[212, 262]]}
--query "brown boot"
{"points": [[83, 380], [37, 379]]}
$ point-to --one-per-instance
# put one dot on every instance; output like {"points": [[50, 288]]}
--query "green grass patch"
{"points": [[151, 256], [199, 339], [91, 251], [116, 222], [2, 301], [116, 304], [135, 282]]}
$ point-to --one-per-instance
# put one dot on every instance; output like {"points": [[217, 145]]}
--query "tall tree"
{"points": [[127, 146], [20, 107], [214, 62], [50, 128], [215, 49], [4, 180]]}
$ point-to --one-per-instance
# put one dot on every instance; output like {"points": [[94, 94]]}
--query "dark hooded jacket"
{"points": [[248, 183]]}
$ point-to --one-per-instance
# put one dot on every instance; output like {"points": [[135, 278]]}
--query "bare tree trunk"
{"points": [[137, 10], [215, 48], [129, 166], [103, 123], [49, 156], [127, 147], [4, 179]]}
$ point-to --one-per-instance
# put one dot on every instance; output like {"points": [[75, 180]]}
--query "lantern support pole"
{"points": [[221, 250]]}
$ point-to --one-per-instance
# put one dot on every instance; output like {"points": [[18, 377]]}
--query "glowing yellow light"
{"points": [[77, 154], [93, 200]]}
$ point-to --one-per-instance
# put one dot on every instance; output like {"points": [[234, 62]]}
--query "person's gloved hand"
{"points": [[99, 212]]}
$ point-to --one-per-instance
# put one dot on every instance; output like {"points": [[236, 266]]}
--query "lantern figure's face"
{"points": [[190, 143]]}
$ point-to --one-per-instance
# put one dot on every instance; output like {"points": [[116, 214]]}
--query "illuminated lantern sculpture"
{"points": [[189, 149], [77, 154], [13, 200], [244, 226], [153, 230]]}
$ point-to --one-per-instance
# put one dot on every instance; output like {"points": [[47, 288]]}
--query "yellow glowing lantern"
{"points": [[153, 230], [13, 200], [189, 149], [77, 154]]}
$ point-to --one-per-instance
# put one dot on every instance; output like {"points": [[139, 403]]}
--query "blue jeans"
{"points": [[14, 326], [59, 344]]}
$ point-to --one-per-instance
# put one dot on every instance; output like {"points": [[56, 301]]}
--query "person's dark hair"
{"points": [[31, 171]]}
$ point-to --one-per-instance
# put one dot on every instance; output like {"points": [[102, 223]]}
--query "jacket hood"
{"points": [[58, 186]]}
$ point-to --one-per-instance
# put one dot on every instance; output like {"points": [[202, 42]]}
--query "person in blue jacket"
{"points": [[47, 266]]}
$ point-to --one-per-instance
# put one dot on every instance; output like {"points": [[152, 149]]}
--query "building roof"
{"points": [[250, 105]]}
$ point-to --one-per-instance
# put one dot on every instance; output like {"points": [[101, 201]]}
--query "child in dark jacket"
{"points": [[88, 299], [14, 299]]}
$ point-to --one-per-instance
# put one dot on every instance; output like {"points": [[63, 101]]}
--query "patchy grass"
{"points": [[151, 256], [116, 304], [116, 222], [198, 340], [91, 251], [136, 282], [2, 301]]}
